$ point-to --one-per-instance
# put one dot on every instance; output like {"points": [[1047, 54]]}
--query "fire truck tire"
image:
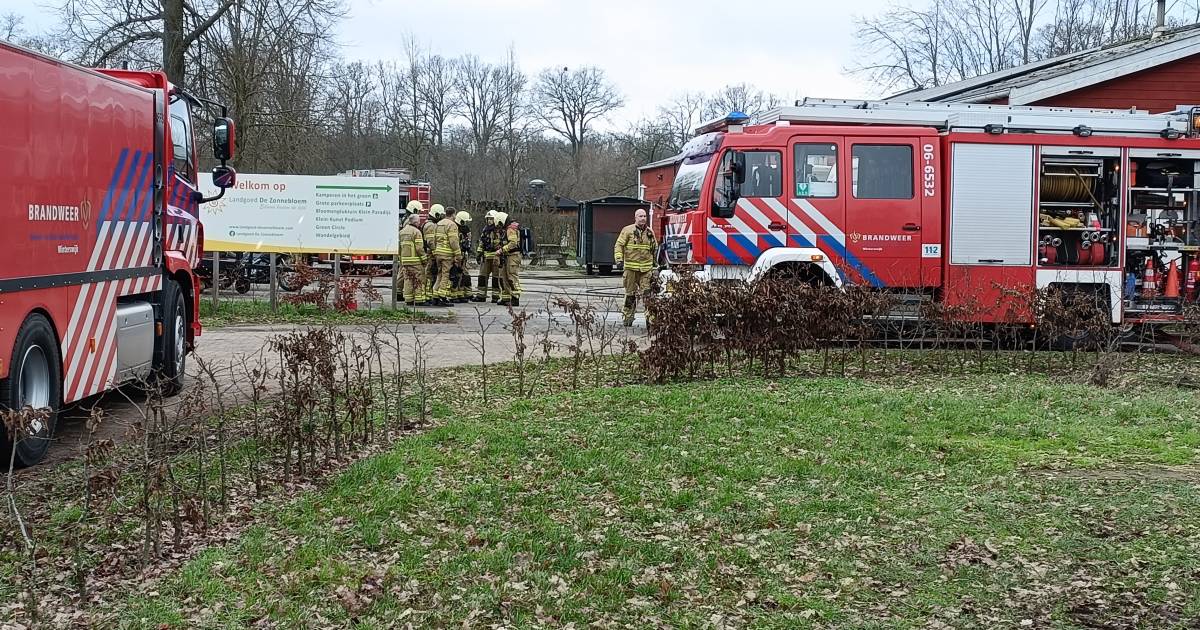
{"points": [[606, 270], [242, 286], [169, 373], [34, 379]]}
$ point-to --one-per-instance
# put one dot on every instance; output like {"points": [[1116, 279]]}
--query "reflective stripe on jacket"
{"points": [[412, 246], [512, 239], [445, 239], [489, 241], [635, 247], [427, 234]]}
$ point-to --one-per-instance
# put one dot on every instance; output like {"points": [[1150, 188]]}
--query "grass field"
{"points": [[951, 502], [230, 312]]}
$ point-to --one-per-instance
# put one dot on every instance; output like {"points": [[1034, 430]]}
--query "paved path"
{"points": [[449, 344]]}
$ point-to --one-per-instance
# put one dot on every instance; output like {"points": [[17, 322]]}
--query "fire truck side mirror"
{"points": [[738, 166], [731, 190], [224, 143], [224, 177]]}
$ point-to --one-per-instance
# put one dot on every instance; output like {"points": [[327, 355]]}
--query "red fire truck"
{"points": [[410, 189], [99, 209], [959, 203]]}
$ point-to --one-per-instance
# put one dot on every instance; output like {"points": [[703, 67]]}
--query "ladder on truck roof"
{"points": [[992, 118]]}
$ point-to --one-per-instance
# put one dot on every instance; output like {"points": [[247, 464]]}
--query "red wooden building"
{"points": [[1156, 74], [654, 187]]}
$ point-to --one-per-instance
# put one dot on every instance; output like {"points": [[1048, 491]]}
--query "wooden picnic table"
{"points": [[543, 253]]}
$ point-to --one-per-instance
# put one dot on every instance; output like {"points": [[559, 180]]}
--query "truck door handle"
{"points": [[912, 227], [776, 226]]}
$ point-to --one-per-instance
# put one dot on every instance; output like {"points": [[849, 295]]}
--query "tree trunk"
{"points": [[173, 41]]}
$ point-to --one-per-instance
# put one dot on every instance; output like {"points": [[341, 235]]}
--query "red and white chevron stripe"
{"points": [[89, 345]]}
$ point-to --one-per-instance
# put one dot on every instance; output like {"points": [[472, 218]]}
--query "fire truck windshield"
{"points": [[689, 181]]}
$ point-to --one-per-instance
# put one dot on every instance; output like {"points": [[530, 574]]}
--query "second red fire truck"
{"points": [[958, 203], [99, 234]]}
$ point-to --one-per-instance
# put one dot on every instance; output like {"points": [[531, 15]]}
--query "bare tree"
{"points": [[437, 90], [904, 46], [571, 102], [1083, 24], [741, 97], [649, 141], [392, 82], [108, 28], [681, 115], [265, 59], [354, 111], [1026, 13], [984, 36], [415, 106], [11, 27], [515, 123], [479, 87], [942, 41]]}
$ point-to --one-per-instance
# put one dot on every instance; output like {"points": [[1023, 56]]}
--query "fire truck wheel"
{"points": [[174, 357], [34, 380]]}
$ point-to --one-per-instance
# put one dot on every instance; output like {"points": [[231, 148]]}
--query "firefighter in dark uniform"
{"points": [[461, 278], [487, 254]]}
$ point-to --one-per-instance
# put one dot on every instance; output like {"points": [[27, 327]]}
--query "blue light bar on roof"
{"points": [[722, 124], [737, 118]]}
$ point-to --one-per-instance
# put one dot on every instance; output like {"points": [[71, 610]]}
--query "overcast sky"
{"points": [[651, 49]]}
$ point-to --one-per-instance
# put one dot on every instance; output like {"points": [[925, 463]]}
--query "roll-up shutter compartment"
{"points": [[991, 212]]}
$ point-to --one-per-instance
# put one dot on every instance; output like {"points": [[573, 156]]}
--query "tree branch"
{"points": [[136, 37], [207, 24]]}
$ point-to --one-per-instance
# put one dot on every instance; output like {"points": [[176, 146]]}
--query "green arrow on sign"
{"points": [[387, 188]]}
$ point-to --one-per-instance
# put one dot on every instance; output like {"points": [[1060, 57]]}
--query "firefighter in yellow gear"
{"points": [[487, 255], [436, 212], [412, 260], [447, 252], [635, 249], [509, 259], [461, 278]]}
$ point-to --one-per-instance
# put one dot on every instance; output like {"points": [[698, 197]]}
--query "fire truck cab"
{"points": [[959, 203], [99, 208]]}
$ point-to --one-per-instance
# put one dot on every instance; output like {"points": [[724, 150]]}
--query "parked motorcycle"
{"points": [[239, 270]]}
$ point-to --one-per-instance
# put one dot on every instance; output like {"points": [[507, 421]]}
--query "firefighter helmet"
{"points": [[501, 218], [490, 217], [463, 217], [414, 206], [437, 211]]}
